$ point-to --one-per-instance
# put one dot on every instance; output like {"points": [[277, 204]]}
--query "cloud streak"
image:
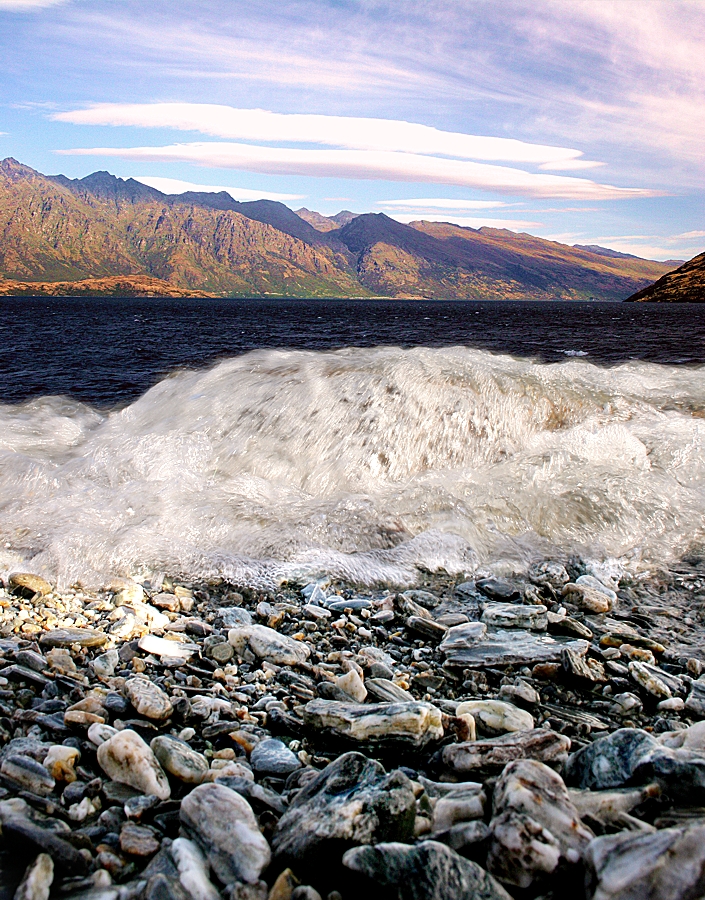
{"points": [[27, 5], [366, 164], [175, 186], [467, 221], [355, 133]]}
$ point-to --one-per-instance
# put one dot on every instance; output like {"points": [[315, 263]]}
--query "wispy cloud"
{"points": [[354, 133], [438, 203], [467, 221], [27, 5], [175, 186], [368, 164]]}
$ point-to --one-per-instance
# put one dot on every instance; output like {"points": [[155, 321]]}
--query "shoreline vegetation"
{"points": [[469, 737], [104, 236]]}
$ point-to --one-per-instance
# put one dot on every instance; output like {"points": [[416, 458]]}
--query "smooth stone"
{"points": [[136, 840], [423, 598], [414, 723], [127, 592], [28, 773], [463, 835], [596, 585], [626, 704], [426, 871], [353, 800], [268, 644], [66, 637], [31, 660], [193, 870], [492, 755], [651, 683], [98, 733], [223, 825], [232, 616], [608, 807], [462, 805], [273, 757], [462, 637], [127, 759], [179, 759], [354, 603], [521, 692], [38, 879], [691, 738], [61, 661], [587, 598], [60, 762], [504, 647], [673, 704], [150, 643], [496, 589], [259, 797], [385, 691], [104, 665], [510, 615], [221, 653], [426, 628], [352, 685], [534, 824], [665, 865], [495, 717], [148, 698], [29, 584]]}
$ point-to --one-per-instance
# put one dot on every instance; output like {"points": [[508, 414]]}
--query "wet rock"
{"points": [[232, 616], [179, 759], [268, 644], [27, 584], [520, 693], [127, 759], [148, 698], [19, 832], [534, 824], [665, 865], [273, 757], [470, 648], [492, 755], [223, 825], [193, 870], [66, 637], [497, 589], [610, 761], [353, 800], [426, 628], [583, 667], [495, 717], [426, 871], [550, 573], [161, 647], [385, 691], [510, 615], [38, 879], [28, 773], [413, 723], [587, 598], [695, 703], [649, 681]]}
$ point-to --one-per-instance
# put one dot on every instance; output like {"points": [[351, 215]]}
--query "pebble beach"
{"points": [[470, 738]]}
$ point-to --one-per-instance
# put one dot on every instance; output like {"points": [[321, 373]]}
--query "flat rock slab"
{"points": [[413, 723], [65, 637], [503, 647], [491, 756]]}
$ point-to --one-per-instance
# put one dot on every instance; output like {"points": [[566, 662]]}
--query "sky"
{"points": [[581, 121]]}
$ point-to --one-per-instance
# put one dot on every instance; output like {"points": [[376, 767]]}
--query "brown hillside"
{"points": [[685, 285], [114, 286]]}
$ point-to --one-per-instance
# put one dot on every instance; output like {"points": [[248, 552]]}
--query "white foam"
{"points": [[357, 463]]}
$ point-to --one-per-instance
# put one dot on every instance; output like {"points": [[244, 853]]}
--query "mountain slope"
{"points": [[325, 223], [51, 232], [685, 285], [56, 229]]}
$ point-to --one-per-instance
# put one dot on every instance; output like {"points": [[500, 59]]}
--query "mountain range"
{"points": [[60, 231]]}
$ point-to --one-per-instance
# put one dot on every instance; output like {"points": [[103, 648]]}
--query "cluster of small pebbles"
{"points": [[536, 736]]}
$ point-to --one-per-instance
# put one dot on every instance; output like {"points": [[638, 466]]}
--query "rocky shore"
{"points": [[540, 736]]}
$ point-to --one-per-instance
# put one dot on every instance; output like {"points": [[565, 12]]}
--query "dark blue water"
{"points": [[108, 352]]}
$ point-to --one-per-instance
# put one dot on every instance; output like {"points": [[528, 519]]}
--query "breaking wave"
{"points": [[361, 463]]}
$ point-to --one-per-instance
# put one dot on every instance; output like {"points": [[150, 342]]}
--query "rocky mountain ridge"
{"points": [[685, 285], [56, 229]]}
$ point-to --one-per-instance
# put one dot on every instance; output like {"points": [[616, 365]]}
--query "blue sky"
{"points": [[578, 120]]}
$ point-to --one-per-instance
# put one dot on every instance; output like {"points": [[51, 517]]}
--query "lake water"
{"points": [[271, 440]]}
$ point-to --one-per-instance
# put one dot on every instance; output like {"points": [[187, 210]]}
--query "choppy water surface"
{"points": [[413, 444]]}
